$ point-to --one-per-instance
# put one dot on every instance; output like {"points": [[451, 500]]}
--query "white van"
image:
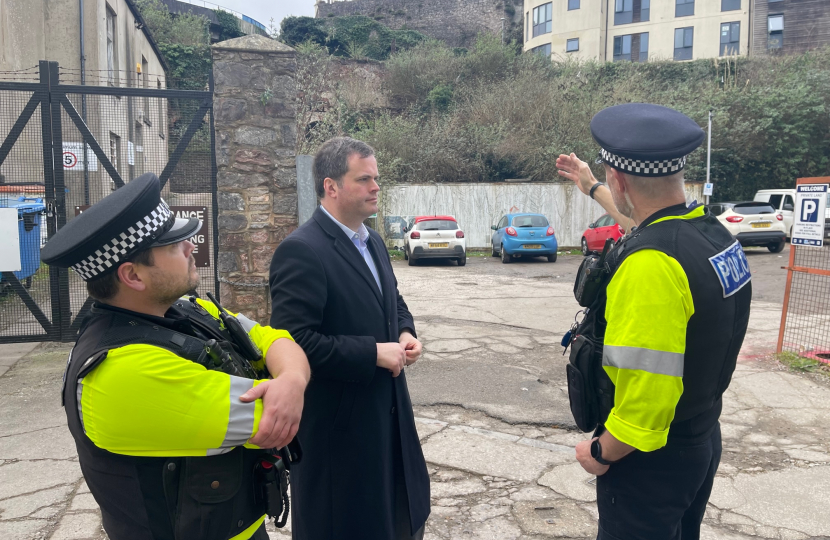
{"points": [[783, 201]]}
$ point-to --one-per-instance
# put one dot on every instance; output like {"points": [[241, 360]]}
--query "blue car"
{"points": [[523, 235]]}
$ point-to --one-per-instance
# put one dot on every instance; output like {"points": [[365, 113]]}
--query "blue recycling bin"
{"points": [[29, 214]]}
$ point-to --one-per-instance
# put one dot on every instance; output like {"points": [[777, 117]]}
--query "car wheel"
{"points": [[584, 246], [405, 254], [777, 247], [552, 257], [462, 260], [505, 257], [495, 253]]}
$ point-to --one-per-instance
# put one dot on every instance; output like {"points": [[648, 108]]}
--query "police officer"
{"points": [[170, 400], [666, 325]]}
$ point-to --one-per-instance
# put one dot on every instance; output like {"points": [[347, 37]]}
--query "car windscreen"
{"points": [[436, 225], [530, 221], [747, 209]]}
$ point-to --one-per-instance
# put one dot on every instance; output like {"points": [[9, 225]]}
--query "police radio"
{"points": [[591, 277], [238, 334]]}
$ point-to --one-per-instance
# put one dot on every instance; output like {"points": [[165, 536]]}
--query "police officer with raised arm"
{"points": [[176, 406], [666, 311]]}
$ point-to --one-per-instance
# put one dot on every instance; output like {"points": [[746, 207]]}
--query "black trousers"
{"points": [[658, 495]]}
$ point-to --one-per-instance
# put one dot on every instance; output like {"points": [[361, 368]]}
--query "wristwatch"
{"points": [[594, 188], [596, 453]]}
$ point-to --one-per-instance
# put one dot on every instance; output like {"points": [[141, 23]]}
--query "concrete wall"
{"points": [[456, 22], [257, 176], [590, 24], [478, 206]]}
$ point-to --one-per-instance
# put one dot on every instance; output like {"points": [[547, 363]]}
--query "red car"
{"points": [[594, 237]]}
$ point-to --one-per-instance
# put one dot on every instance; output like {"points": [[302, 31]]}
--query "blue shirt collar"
{"points": [[362, 232]]}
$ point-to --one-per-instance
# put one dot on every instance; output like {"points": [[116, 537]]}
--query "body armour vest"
{"points": [[707, 252], [160, 498]]}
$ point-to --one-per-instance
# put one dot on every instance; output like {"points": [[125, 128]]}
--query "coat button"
{"points": [[171, 467], [214, 484], [392, 411], [240, 523]]}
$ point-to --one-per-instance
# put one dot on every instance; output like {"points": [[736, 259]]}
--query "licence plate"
{"points": [[761, 225], [439, 245], [532, 246]]}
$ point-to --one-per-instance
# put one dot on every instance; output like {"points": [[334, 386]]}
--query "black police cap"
{"points": [[108, 233], [644, 139]]}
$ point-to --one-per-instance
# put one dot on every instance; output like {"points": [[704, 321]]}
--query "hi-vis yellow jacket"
{"points": [[144, 400]]}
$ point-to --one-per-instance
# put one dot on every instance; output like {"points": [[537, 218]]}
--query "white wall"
{"points": [[477, 206]]}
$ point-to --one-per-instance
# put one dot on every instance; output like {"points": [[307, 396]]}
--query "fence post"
{"points": [[254, 94]]}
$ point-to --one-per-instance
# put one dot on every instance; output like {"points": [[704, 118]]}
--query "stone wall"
{"points": [[456, 22], [255, 137]]}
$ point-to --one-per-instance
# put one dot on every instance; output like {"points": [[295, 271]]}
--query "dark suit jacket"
{"points": [[357, 428]]}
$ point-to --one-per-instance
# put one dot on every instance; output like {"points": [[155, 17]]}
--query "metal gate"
{"points": [[68, 146]]}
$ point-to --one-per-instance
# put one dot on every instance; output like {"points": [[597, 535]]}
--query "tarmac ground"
{"points": [[492, 412]]}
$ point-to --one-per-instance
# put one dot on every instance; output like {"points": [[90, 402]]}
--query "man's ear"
{"points": [[330, 188], [128, 277], [619, 179]]}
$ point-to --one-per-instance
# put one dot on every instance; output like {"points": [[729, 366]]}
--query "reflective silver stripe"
{"points": [[240, 416], [79, 390], [658, 362], [246, 323]]}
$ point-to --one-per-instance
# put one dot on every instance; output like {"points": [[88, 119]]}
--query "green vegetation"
{"points": [[353, 36], [803, 365], [492, 113]]}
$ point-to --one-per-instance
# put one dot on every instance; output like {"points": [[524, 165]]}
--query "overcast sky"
{"points": [[264, 10]]}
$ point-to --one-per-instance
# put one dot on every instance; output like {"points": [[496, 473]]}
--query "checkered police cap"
{"points": [[644, 139], [108, 233]]}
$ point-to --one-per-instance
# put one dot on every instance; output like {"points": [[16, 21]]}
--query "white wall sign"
{"points": [[130, 153], [707, 189], [808, 225], [73, 157], [9, 241]]}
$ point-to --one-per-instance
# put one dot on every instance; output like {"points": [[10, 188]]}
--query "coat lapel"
{"points": [[344, 246]]}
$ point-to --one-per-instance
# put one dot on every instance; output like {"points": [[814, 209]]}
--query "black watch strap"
{"points": [[594, 188], [596, 453]]}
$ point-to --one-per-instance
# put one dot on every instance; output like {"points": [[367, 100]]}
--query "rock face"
{"points": [[255, 137], [456, 22]]}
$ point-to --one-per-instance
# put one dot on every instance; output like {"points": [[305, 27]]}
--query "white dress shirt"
{"points": [[359, 240]]}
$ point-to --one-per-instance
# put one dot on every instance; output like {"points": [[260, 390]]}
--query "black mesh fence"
{"points": [[94, 139], [807, 327]]}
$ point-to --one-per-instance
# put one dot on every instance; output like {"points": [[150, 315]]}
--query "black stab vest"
{"points": [[159, 498], [714, 334]]}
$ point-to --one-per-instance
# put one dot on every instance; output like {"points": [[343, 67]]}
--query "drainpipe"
{"points": [[83, 104], [605, 47]]}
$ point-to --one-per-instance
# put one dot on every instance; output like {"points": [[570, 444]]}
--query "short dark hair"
{"points": [[105, 287], [332, 160]]}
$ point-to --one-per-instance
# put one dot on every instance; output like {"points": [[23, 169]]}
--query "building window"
{"points": [[683, 43], [632, 47], [145, 83], [112, 53], [730, 5], [684, 8], [162, 134], [543, 50], [573, 4], [730, 37], [572, 45], [542, 19], [631, 11], [775, 24], [527, 26]]}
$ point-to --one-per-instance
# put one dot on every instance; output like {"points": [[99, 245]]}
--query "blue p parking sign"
{"points": [[808, 226]]}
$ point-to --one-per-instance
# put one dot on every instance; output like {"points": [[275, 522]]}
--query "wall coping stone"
{"points": [[255, 43]]}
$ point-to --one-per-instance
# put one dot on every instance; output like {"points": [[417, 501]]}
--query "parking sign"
{"points": [[810, 204]]}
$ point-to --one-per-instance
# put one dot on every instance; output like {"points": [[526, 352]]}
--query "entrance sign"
{"points": [[810, 205]]}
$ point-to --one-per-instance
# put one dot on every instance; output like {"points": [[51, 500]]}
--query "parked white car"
{"points": [[434, 237], [752, 223], [783, 201]]}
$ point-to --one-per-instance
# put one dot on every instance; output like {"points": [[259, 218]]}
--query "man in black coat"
{"points": [[363, 474]]}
